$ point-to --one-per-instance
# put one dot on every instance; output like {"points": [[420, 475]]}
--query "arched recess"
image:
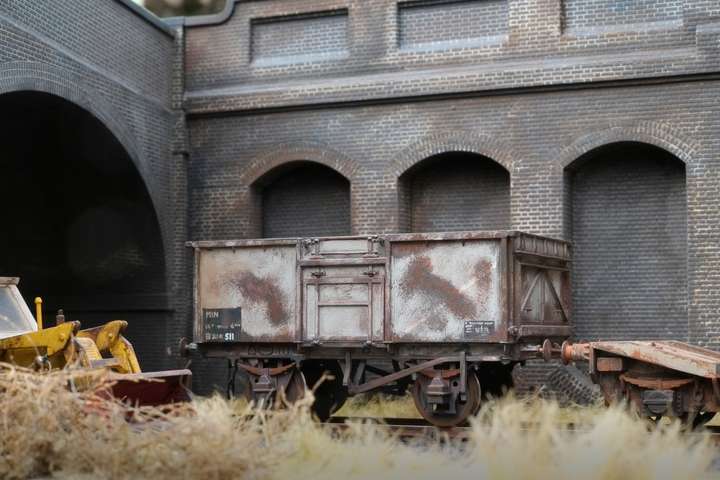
{"points": [[81, 229], [302, 189], [302, 198], [453, 191], [626, 213]]}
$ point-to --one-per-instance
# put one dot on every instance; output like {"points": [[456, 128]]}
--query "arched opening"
{"points": [[79, 226], [628, 224], [455, 191], [302, 199]]}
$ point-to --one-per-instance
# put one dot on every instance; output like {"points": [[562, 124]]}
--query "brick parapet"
{"points": [[539, 49]]}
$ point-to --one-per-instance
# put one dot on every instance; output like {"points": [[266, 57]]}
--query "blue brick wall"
{"points": [[451, 25], [299, 38], [369, 88], [110, 61], [598, 15]]}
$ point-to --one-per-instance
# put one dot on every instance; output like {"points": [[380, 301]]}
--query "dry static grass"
{"points": [[379, 406], [47, 430]]}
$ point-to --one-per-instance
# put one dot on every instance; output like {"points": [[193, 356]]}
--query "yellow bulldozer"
{"points": [[24, 341]]}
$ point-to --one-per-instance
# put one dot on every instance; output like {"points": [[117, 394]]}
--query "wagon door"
{"points": [[542, 293], [343, 289]]}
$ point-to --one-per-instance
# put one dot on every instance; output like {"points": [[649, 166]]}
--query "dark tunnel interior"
{"points": [[81, 231]]}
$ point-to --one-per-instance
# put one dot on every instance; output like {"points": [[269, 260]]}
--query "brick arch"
{"points": [[626, 213], [125, 269], [436, 144], [45, 78], [285, 154], [651, 133], [439, 200]]}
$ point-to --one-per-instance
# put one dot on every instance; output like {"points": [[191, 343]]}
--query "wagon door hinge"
{"points": [[372, 247], [312, 246]]}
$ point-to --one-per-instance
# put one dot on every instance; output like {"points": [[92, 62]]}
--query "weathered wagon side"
{"points": [[452, 312], [478, 287]]}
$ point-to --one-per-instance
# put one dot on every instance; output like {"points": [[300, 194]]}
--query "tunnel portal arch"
{"points": [[84, 230]]}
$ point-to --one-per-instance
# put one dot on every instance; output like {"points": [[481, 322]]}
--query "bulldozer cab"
{"points": [[15, 316]]}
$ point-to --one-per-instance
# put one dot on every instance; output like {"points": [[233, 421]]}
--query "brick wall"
{"points": [[394, 52], [597, 15], [452, 192], [362, 88], [116, 67], [309, 200], [299, 38], [542, 132], [433, 24], [499, 80], [629, 231], [106, 35]]}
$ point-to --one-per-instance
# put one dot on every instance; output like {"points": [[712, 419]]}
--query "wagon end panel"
{"points": [[447, 290], [246, 293], [543, 300]]}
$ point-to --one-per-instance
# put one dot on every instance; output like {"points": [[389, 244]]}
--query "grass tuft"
{"points": [[47, 430]]}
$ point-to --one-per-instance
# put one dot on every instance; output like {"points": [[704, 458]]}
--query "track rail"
{"points": [[404, 428], [419, 429]]}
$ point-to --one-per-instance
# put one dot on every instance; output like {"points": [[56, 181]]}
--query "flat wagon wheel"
{"points": [[455, 410]]}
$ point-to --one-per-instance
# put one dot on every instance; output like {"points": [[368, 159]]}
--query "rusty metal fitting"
{"points": [[574, 352], [186, 348]]}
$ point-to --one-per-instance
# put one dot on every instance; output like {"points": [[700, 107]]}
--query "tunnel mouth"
{"points": [[303, 199], [82, 229], [454, 191]]}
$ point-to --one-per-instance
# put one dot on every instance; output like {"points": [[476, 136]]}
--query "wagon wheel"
{"points": [[463, 409], [330, 395]]}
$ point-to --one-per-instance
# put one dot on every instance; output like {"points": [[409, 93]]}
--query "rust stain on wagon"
{"points": [[263, 291], [419, 277], [483, 275]]}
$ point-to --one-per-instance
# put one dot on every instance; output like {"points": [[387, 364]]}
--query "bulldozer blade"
{"points": [[153, 388]]}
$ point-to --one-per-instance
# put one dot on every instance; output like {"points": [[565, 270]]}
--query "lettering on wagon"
{"points": [[222, 324]]}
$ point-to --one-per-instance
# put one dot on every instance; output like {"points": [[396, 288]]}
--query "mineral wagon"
{"points": [[446, 316]]}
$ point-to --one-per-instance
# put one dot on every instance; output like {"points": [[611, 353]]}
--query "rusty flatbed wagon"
{"points": [[446, 315]]}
